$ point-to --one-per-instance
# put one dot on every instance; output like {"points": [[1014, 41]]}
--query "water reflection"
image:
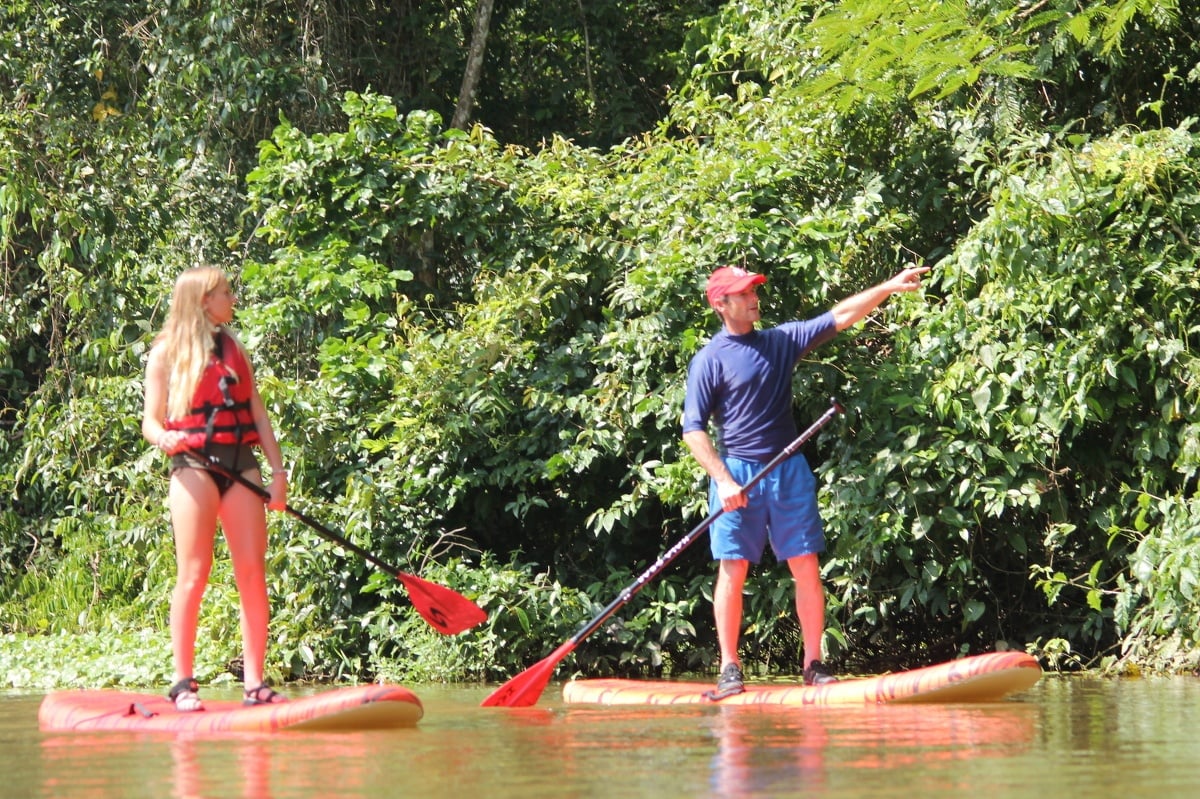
{"points": [[108, 764], [250, 766], [768, 751], [763, 751], [758, 755], [252, 761], [1065, 737]]}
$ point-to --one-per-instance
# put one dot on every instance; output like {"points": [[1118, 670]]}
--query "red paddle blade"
{"points": [[524, 689], [448, 612]]}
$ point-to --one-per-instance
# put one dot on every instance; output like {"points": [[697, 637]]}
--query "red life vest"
{"points": [[220, 412]]}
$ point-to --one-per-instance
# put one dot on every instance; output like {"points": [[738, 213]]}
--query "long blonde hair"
{"points": [[187, 337]]}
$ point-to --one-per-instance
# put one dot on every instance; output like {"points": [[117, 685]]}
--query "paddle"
{"points": [[446, 611], [524, 689]]}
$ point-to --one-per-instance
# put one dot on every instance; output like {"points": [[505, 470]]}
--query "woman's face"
{"points": [[218, 303]]}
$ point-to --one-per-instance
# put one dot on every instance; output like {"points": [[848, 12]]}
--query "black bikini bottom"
{"points": [[236, 458]]}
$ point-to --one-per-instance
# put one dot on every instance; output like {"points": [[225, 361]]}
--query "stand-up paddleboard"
{"points": [[364, 707], [980, 678]]}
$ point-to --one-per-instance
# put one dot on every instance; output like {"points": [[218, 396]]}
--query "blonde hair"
{"points": [[187, 337]]}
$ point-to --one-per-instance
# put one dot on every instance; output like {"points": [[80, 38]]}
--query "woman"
{"points": [[200, 401]]}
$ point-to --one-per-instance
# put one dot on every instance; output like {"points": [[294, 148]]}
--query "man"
{"points": [[742, 381]]}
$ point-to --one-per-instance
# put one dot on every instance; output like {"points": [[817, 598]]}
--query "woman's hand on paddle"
{"points": [[278, 491], [171, 441]]}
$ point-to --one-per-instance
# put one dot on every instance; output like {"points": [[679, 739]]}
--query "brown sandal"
{"points": [[185, 695], [262, 695]]}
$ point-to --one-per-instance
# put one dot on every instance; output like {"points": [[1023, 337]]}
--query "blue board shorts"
{"points": [[781, 509]]}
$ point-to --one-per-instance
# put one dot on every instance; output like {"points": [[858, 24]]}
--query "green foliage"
{"points": [[1156, 602], [87, 660], [597, 72], [1042, 380], [475, 353], [526, 608]]}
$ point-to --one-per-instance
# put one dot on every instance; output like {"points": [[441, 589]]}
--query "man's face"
{"points": [[740, 311]]}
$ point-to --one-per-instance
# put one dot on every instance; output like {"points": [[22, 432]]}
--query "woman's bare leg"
{"points": [[244, 520], [193, 500]]}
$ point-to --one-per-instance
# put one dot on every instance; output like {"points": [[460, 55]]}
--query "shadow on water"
{"points": [[1079, 737]]}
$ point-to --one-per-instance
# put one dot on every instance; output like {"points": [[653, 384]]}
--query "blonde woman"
{"points": [[200, 397]]}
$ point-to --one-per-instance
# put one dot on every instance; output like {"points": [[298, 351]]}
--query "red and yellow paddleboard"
{"points": [[364, 707], [980, 678]]}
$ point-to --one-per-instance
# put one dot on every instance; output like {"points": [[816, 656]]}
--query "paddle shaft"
{"points": [[524, 689], [216, 466], [448, 611], [665, 559]]}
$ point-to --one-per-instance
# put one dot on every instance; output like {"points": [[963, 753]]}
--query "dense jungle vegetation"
{"points": [[473, 338]]}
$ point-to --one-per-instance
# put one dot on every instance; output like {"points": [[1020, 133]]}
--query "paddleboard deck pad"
{"points": [[364, 707], [979, 678]]}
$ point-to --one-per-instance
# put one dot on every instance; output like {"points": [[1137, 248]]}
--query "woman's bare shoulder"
{"points": [[156, 355]]}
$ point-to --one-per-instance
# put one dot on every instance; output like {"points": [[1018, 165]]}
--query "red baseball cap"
{"points": [[731, 280]]}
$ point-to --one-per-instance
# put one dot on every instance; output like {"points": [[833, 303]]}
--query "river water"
{"points": [[1064, 737]]}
